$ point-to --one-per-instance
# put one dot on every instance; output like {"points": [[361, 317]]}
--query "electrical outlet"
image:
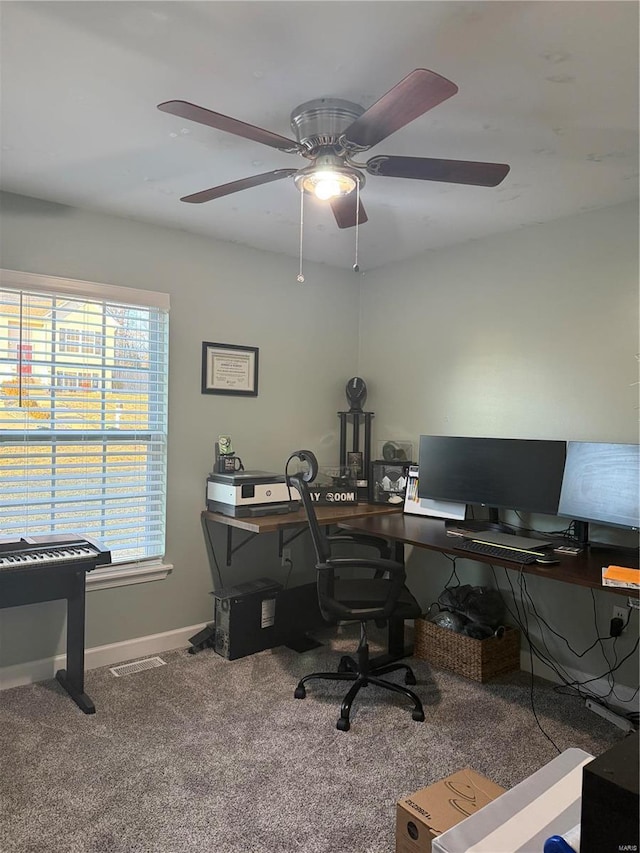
{"points": [[286, 560], [620, 613]]}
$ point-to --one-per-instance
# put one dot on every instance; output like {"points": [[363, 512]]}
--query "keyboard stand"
{"points": [[48, 583], [79, 697], [72, 678]]}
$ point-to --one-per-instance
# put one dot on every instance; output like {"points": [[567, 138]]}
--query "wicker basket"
{"points": [[476, 659]]}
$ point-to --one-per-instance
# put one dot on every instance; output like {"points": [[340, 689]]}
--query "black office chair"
{"points": [[375, 590]]}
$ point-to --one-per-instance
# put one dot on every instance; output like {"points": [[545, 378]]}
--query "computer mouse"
{"points": [[547, 559]]}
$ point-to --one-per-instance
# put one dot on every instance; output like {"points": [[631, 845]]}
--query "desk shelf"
{"points": [[285, 521]]}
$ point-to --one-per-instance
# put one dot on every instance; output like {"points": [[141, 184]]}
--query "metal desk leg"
{"points": [[396, 647]]}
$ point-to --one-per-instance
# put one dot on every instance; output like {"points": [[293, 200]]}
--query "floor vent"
{"points": [[137, 666]]}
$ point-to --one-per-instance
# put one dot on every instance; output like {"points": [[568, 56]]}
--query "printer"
{"points": [[250, 493]]}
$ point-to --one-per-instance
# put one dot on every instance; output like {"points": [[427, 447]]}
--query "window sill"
{"points": [[127, 574]]}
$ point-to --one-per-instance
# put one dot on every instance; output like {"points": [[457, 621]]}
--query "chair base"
{"points": [[362, 675]]}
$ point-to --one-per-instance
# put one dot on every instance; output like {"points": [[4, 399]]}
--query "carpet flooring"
{"points": [[206, 754]]}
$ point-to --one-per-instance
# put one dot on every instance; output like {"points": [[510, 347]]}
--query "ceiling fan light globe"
{"points": [[326, 184], [327, 187]]}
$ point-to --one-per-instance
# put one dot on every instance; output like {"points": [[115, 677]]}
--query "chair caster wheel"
{"points": [[343, 724], [417, 715], [410, 678], [299, 692]]}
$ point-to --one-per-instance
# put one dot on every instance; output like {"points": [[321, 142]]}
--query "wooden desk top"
{"points": [[430, 533], [326, 515]]}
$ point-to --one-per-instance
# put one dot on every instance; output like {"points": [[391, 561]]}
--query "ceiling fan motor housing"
{"points": [[321, 122]]}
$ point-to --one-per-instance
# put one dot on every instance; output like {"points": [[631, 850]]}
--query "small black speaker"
{"points": [[610, 818]]}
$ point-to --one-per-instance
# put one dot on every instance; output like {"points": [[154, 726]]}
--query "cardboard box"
{"points": [[423, 815]]}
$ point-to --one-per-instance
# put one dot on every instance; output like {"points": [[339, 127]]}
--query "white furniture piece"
{"points": [[523, 818]]}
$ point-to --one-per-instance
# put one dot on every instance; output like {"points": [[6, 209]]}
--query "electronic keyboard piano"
{"points": [[48, 550], [48, 567]]}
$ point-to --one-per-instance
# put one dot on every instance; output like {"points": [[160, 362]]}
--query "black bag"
{"points": [[481, 607]]}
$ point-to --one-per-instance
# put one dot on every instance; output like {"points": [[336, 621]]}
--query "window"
{"points": [[84, 341], [69, 341], [78, 379], [83, 412]]}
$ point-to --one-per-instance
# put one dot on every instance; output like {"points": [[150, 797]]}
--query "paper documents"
{"points": [[621, 576]]}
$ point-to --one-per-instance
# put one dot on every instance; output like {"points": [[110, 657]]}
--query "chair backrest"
{"points": [[320, 542]]}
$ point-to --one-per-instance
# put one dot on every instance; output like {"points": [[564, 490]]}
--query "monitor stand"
{"points": [[482, 525], [581, 537], [581, 533], [473, 524]]}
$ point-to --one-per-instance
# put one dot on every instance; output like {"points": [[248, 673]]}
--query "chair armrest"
{"points": [[395, 569], [397, 577], [362, 539]]}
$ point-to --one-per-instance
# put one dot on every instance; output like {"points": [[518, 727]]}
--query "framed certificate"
{"points": [[229, 369]]}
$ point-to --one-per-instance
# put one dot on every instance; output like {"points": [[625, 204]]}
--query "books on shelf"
{"points": [[621, 576]]}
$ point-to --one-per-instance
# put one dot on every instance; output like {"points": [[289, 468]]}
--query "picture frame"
{"points": [[415, 505], [388, 482], [229, 369]]}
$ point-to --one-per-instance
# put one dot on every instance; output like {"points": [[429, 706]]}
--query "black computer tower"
{"points": [[245, 617]]}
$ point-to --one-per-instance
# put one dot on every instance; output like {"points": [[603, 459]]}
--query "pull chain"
{"points": [[300, 276], [356, 268]]}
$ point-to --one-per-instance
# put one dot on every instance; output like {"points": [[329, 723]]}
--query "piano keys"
{"points": [[46, 551]]}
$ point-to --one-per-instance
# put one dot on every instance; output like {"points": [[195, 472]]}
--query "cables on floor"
{"points": [[525, 607]]}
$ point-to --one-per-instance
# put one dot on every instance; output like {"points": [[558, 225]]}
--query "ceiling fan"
{"points": [[330, 132]]}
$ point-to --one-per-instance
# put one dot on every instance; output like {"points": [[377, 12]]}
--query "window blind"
{"points": [[83, 413]]}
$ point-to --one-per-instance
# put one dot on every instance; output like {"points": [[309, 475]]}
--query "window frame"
{"points": [[136, 570]]}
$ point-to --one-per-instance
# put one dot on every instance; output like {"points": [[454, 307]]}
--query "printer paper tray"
{"points": [[253, 510]]}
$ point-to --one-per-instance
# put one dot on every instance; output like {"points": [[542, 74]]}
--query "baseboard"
{"points": [[30, 672], [40, 670], [624, 699]]}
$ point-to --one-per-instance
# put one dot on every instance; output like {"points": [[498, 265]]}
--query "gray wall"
{"points": [[531, 334], [307, 336]]}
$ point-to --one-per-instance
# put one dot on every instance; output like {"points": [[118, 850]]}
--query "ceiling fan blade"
{"points": [[344, 209], [183, 109], [419, 91], [450, 171], [236, 186]]}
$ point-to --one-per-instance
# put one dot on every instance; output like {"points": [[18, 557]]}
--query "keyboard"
{"points": [[500, 552], [48, 551]]}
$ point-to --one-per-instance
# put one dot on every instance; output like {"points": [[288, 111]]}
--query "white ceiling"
{"points": [[550, 88]]}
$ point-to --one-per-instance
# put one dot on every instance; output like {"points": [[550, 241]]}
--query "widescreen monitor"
{"points": [[501, 473], [602, 484]]}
